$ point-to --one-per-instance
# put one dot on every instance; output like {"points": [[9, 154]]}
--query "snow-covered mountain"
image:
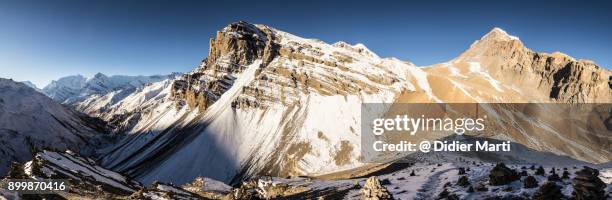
{"points": [[263, 100], [268, 102], [65, 87], [72, 89], [31, 121]]}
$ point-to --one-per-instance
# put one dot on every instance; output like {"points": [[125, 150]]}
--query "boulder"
{"points": [[554, 177], [565, 175], [549, 190], [587, 185], [373, 190], [540, 171], [461, 171], [463, 181], [530, 182], [552, 171], [502, 175]]}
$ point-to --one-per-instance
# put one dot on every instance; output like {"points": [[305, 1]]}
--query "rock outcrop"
{"points": [[235, 47]]}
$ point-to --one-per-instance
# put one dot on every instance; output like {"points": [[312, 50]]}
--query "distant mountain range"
{"points": [[75, 88]]}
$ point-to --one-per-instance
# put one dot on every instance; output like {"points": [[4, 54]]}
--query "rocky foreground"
{"points": [[461, 179]]}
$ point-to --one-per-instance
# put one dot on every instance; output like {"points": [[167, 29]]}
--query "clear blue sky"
{"points": [[47, 39]]}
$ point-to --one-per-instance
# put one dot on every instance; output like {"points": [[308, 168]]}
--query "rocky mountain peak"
{"points": [[498, 34], [243, 29], [508, 65], [496, 42], [237, 45]]}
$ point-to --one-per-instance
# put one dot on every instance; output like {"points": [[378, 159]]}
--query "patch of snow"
{"points": [[475, 68]]}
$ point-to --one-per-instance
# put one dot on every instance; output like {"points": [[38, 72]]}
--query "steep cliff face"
{"points": [[236, 46]]}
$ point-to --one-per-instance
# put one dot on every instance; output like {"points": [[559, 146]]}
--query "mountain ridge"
{"points": [[75, 88], [269, 95]]}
